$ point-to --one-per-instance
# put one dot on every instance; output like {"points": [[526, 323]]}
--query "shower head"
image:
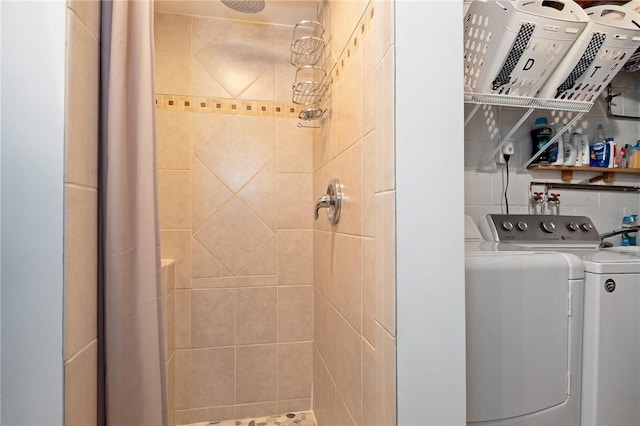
{"points": [[245, 6]]}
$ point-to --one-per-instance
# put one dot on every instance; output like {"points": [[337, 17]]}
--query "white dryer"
{"points": [[523, 328], [610, 355]]}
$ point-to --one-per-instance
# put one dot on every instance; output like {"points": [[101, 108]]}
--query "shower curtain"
{"points": [[133, 355]]}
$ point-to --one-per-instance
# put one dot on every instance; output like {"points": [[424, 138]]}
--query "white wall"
{"points": [[430, 200], [32, 105]]}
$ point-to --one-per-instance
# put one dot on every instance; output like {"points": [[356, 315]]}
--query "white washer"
{"points": [[610, 391], [523, 311], [611, 357]]}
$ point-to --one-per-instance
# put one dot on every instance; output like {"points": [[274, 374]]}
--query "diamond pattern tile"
{"points": [[211, 194], [234, 154], [234, 235], [260, 195], [204, 265], [264, 263], [233, 62], [205, 125]]}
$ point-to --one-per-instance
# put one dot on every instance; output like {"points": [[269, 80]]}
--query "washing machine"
{"points": [[611, 356], [523, 334], [602, 331]]}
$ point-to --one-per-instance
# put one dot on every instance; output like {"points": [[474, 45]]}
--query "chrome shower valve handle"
{"points": [[332, 201]]}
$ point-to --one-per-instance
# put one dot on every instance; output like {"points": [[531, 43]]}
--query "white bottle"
{"points": [[570, 150], [585, 151], [576, 141], [612, 151], [559, 152]]}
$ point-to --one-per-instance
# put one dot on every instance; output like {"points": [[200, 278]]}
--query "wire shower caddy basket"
{"points": [[308, 55]]}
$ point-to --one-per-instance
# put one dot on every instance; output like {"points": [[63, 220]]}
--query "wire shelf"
{"points": [[309, 86], [307, 47], [526, 102], [309, 114]]}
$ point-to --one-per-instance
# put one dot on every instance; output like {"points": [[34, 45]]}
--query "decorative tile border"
{"points": [[227, 106], [268, 108], [359, 32]]}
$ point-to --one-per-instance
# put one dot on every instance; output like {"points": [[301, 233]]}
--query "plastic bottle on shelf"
{"points": [[599, 149], [585, 152], [633, 235], [570, 157], [581, 145], [557, 150], [627, 154], [611, 152], [625, 238], [634, 156], [621, 153], [540, 135]]}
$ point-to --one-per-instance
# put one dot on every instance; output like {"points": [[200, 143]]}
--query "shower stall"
{"points": [[272, 311]]}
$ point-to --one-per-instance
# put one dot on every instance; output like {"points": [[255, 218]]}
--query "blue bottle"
{"points": [[600, 149], [625, 238], [540, 135]]}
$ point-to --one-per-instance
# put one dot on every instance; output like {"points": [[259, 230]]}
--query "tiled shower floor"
{"points": [[304, 418]]}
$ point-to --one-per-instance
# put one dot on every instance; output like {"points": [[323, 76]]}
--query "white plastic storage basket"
{"points": [[633, 4], [601, 51], [512, 46], [633, 64]]}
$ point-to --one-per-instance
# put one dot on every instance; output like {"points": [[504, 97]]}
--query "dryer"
{"points": [[523, 334], [610, 352]]}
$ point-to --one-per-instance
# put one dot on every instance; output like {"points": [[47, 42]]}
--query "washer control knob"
{"points": [[522, 226], [507, 226], [572, 226], [586, 227], [548, 227]]}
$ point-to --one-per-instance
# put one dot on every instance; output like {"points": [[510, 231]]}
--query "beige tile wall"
{"points": [[354, 261], [80, 219], [236, 216]]}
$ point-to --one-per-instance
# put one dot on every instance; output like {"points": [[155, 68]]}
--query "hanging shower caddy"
{"points": [[308, 44], [308, 55]]}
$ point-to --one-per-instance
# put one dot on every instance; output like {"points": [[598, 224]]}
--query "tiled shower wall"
{"points": [[235, 184], [81, 213], [354, 261]]}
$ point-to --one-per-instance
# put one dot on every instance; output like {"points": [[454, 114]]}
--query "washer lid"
{"points": [[610, 262], [632, 250]]}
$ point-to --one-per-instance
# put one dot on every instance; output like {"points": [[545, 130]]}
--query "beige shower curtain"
{"points": [[133, 353]]}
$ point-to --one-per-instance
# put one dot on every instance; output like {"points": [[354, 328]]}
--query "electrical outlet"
{"points": [[508, 149]]}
